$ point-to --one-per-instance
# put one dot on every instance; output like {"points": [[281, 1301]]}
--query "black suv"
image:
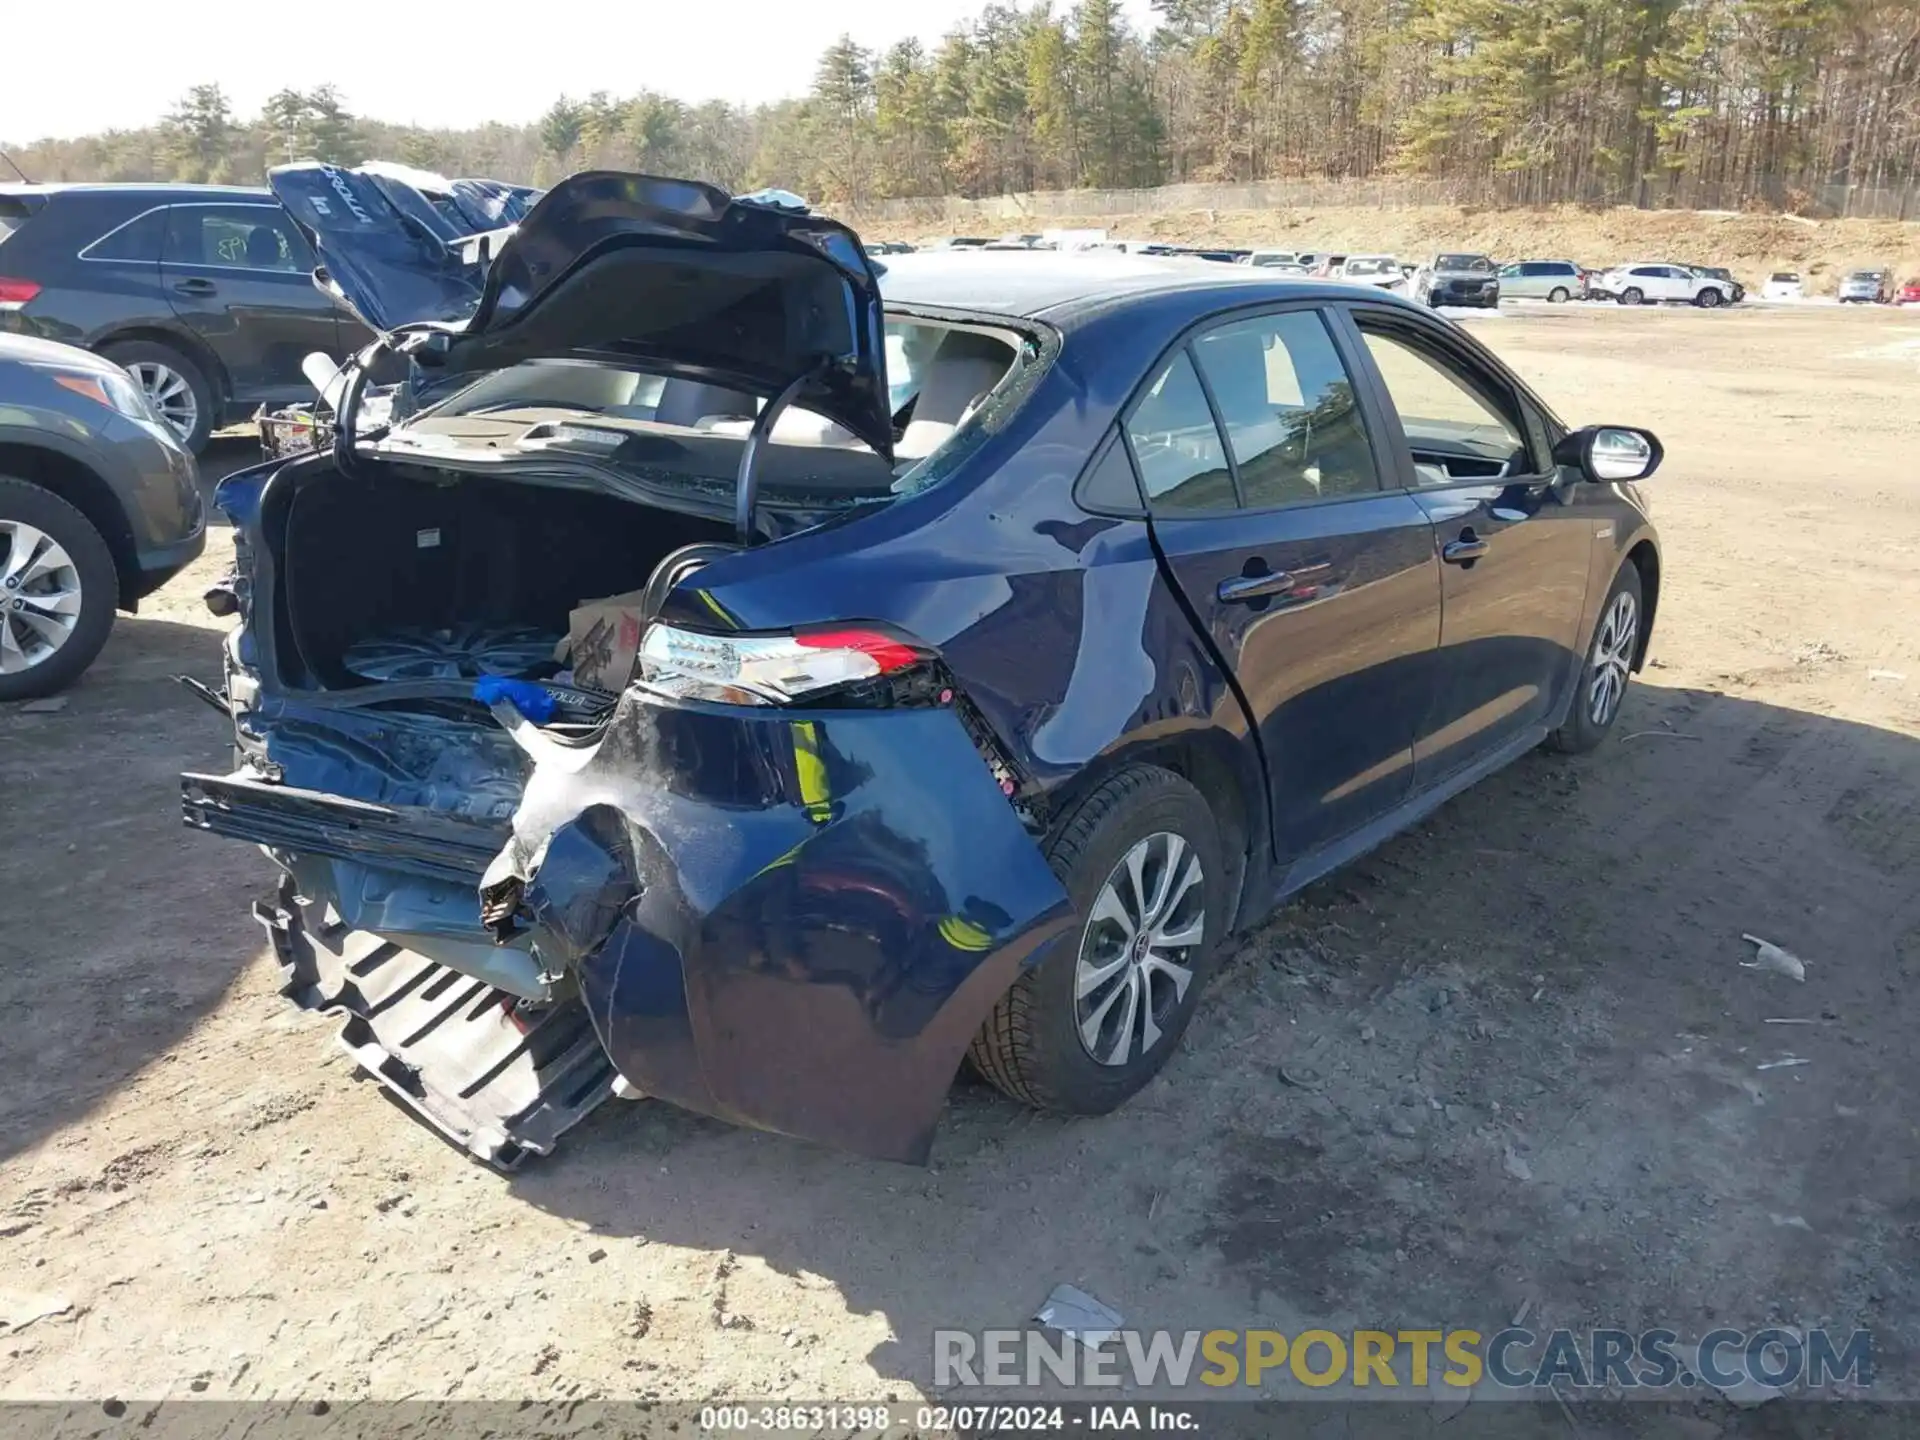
{"points": [[204, 293]]}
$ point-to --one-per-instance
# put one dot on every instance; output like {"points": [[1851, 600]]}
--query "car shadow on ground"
{"points": [[94, 848], [1512, 1059]]}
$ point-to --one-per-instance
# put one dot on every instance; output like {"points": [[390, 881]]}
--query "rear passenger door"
{"points": [[1319, 591], [241, 276], [1514, 542]]}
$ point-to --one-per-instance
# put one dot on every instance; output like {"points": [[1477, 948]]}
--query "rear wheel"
{"points": [[1559, 295], [175, 386], [58, 591], [1080, 1033], [1610, 659], [1632, 295]]}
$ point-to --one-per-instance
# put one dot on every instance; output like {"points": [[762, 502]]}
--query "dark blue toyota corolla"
{"points": [[723, 673]]}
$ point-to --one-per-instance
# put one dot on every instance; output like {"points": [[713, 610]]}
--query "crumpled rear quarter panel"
{"points": [[794, 920]]}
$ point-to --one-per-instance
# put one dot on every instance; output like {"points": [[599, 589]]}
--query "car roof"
{"points": [[1043, 284], [143, 190]]}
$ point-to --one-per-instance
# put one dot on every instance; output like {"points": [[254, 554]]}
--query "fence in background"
{"points": [[1002, 212]]}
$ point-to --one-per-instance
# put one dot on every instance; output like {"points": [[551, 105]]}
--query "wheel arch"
{"points": [[1221, 766], [77, 483], [188, 344], [1645, 557]]}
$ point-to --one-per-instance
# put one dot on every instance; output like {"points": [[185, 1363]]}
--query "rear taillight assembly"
{"points": [[15, 293], [800, 667]]}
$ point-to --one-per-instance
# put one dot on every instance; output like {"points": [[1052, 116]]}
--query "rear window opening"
{"points": [[939, 375]]}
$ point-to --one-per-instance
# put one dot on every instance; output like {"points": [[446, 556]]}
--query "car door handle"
{"points": [[196, 287], [1464, 551], [1245, 589]]}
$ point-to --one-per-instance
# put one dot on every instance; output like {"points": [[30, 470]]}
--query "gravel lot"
{"points": [[1530, 1051]]}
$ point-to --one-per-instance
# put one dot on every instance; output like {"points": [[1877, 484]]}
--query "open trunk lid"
{"points": [[670, 276]]}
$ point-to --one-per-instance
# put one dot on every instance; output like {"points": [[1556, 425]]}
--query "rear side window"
{"points": [[234, 237], [13, 214], [138, 240], [1182, 464], [1108, 486], [1287, 403]]}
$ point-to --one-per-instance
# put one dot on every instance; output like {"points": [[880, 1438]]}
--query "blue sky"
{"points": [[113, 63]]}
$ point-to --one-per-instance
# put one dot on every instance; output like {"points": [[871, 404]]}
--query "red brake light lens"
{"points": [[886, 652], [15, 293]]}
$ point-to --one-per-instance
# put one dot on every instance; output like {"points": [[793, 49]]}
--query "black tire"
{"points": [[1632, 295], [1583, 730], [1030, 1046], [24, 503], [1708, 298], [1559, 295], [129, 353]]}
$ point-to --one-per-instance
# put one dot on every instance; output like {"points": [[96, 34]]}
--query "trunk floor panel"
{"points": [[444, 1044]]}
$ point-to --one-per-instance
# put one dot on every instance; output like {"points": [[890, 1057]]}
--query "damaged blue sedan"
{"points": [[729, 673]]}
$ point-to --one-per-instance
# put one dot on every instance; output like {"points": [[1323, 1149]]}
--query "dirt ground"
{"points": [[1530, 1060], [1752, 246]]}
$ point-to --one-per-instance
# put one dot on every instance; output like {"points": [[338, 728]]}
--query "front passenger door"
{"points": [[1318, 591], [1513, 541]]}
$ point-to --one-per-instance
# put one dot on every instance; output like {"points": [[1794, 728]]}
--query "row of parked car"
{"points": [[1475, 280], [134, 321], [203, 293]]}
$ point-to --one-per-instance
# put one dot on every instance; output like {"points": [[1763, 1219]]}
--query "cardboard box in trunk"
{"points": [[603, 636]]}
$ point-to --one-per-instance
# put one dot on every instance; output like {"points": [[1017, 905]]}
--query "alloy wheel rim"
{"points": [[169, 393], [1136, 952], [39, 597], [1612, 658]]}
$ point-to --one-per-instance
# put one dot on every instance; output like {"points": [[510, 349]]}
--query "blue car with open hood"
{"points": [[729, 673]]}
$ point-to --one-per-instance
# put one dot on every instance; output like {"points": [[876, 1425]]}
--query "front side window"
{"points": [[1454, 428], [1287, 403], [234, 237], [1176, 446]]}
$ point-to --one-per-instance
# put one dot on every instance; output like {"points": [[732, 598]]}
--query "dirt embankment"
{"points": [[1752, 246]]}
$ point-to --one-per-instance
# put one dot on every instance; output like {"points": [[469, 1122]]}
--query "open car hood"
{"points": [[670, 276]]}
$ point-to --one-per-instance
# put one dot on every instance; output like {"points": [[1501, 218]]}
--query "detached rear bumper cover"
{"points": [[786, 919]]}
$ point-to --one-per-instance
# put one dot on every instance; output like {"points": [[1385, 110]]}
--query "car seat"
{"points": [[263, 248], [957, 379]]}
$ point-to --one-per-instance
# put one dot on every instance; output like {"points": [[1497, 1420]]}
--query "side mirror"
{"points": [[1608, 453]]}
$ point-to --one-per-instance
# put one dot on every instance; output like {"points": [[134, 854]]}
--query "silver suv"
{"points": [[1867, 287]]}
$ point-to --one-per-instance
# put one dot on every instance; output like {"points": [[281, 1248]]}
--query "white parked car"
{"points": [[1266, 258], [1381, 270], [1652, 283], [1783, 285]]}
